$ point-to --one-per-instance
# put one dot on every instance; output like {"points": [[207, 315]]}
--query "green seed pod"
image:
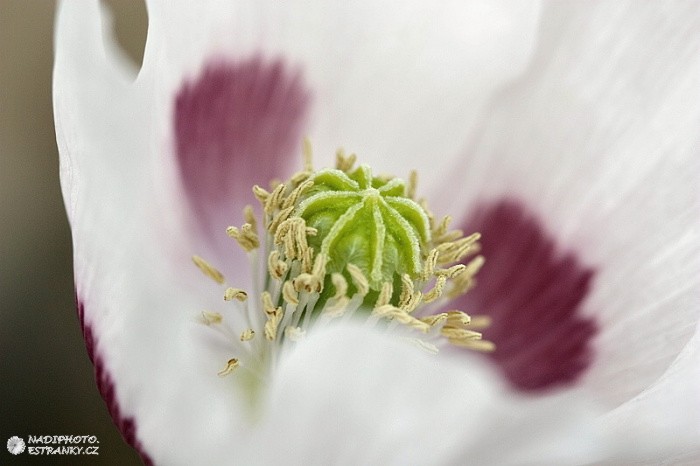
{"points": [[366, 221]]}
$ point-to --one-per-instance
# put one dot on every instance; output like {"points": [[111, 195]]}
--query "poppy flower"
{"points": [[566, 134]]}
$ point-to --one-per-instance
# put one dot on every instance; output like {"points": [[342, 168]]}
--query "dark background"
{"points": [[46, 379]]}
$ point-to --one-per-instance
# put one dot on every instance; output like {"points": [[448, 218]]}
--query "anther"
{"points": [[358, 279], [234, 293], [208, 270], [246, 236], [343, 162], [384, 295], [401, 316], [294, 333], [211, 318], [340, 284], [289, 293], [275, 266], [247, 334], [231, 366]]}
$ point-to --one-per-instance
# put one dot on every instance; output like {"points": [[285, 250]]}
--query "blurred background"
{"points": [[46, 379]]}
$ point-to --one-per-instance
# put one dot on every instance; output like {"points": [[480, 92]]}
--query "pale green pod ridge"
{"points": [[367, 221]]}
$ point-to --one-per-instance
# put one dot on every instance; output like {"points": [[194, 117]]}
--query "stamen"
{"points": [[211, 318], [249, 216], [402, 317], [274, 315], [234, 293], [294, 333], [246, 236], [344, 163], [358, 279], [289, 293], [384, 295], [231, 366], [340, 284], [261, 195], [337, 242], [275, 266], [208, 270], [483, 346]]}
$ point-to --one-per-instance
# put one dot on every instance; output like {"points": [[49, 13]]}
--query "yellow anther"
{"points": [[294, 333], [484, 346], [208, 270], [464, 281], [460, 334], [249, 216], [451, 272], [413, 301], [480, 322], [401, 316], [458, 319], [340, 285], [336, 307], [435, 320], [406, 289], [246, 236], [343, 162], [279, 218], [289, 294], [358, 279], [384, 295], [307, 259], [430, 264], [293, 197], [456, 250], [248, 334], [268, 307], [436, 292], [273, 200], [274, 316], [231, 366], [275, 266], [261, 194], [320, 266], [234, 293], [308, 282], [211, 318]]}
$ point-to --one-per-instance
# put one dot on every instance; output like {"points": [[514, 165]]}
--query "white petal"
{"points": [[349, 396], [138, 305], [663, 422], [600, 139], [398, 82], [127, 263]]}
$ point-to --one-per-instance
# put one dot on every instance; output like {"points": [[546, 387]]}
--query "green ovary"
{"points": [[366, 221]]}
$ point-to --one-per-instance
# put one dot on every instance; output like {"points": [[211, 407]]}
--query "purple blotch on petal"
{"points": [[239, 123], [105, 385], [533, 292]]}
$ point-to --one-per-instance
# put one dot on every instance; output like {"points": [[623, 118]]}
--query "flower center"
{"points": [[343, 242]]}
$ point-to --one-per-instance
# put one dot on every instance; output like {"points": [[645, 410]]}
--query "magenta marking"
{"points": [[239, 123], [105, 385], [533, 292]]}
